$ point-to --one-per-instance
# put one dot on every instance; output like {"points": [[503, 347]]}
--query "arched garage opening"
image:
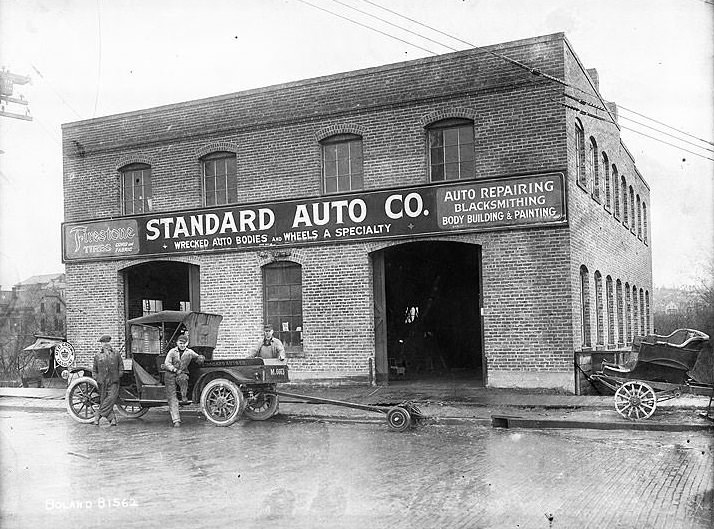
{"points": [[161, 285], [427, 312]]}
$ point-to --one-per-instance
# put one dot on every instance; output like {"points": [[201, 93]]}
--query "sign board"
{"points": [[480, 205]]}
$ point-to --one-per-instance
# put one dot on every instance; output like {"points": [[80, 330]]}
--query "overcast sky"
{"points": [[90, 58]]}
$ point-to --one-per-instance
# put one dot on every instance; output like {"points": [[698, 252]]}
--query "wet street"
{"points": [[56, 473]]}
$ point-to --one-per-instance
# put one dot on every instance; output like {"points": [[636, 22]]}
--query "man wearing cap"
{"points": [[270, 347], [107, 370], [176, 366]]}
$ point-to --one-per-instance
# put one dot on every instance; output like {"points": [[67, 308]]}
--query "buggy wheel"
{"points": [[635, 400], [263, 407], [82, 399], [131, 410], [399, 419], [222, 402]]}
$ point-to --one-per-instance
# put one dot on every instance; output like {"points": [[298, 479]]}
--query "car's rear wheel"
{"points": [[131, 410], [82, 399], [222, 402], [262, 407]]}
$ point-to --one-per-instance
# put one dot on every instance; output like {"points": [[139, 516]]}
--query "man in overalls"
{"points": [[107, 370], [176, 366]]}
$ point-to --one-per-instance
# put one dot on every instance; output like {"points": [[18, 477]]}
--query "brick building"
{"points": [[454, 215]]}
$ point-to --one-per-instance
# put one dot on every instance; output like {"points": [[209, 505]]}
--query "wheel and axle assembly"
{"points": [[635, 400], [399, 419], [262, 406], [82, 399], [222, 402]]}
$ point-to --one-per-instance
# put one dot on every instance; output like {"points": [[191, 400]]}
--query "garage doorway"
{"points": [[428, 324], [161, 285]]}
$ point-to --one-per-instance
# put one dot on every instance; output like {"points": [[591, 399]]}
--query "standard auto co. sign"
{"points": [[416, 211]]}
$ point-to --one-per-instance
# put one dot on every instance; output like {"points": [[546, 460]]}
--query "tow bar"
{"points": [[399, 417]]}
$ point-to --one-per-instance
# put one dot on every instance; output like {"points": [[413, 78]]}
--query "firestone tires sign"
{"points": [[504, 203]]}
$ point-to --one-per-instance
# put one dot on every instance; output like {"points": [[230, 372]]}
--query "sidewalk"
{"points": [[444, 404]]}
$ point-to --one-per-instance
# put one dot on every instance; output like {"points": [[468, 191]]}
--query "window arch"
{"points": [[580, 154], [451, 149], [282, 302], [620, 312], [643, 329], [220, 181], [644, 221], [606, 180], [635, 313], [594, 167], [599, 310], [610, 311], [342, 163], [624, 200], [647, 312], [135, 183], [585, 306], [632, 210], [639, 217]]}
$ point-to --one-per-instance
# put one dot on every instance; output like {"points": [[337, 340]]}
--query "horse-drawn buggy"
{"points": [[225, 388], [660, 368]]}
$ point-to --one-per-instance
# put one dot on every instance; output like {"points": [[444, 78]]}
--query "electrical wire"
{"points": [[530, 69], [668, 126]]}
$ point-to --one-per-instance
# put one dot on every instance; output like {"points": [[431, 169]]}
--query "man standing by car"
{"points": [[107, 370], [270, 347], [176, 366]]}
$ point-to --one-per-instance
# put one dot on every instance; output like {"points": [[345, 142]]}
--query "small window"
{"points": [[282, 283], [620, 312], [594, 168], [644, 222], [599, 310], [136, 189], [647, 312], [624, 200], [580, 154], [342, 164], [585, 306], [220, 181], [632, 210], [606, 179], [610, 300], [616, 190], [639, 217], [451, 150]]}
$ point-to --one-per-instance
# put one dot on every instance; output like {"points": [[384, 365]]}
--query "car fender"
{"points": [[209, 374]]}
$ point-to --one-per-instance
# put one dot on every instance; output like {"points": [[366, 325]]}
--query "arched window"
{"points": [[610, 301], [620, 313], [282, 302], [135, 182], [639, 217], [635, 313], [605, 166], [643, 329], [220, 181], [624, 200], [451, 149], [644, 221], [632, 210], [628, 314], [599, 310], [585, 306], [580, 154], [616, 190], [648, 329], [594, 168], [342, 163]]}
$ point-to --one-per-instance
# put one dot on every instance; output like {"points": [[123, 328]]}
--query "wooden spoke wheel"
{"points": [[82, 399], [398, 419], [263, 406], [131, 410], [222, 402], [635, 400]]}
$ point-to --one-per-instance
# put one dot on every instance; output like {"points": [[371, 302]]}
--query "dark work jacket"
{"points": [[108, 367]]}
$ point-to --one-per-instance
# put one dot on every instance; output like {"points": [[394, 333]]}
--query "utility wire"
{"points": [[532, 70], [595, 116], [56, 92], [664, 124]]}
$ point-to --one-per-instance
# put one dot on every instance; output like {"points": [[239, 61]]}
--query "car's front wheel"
{"points": [[222, 402], [82, 399]]}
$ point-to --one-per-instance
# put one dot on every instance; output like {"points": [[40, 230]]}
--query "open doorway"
{"points": [[161, 285], [428, 312]]}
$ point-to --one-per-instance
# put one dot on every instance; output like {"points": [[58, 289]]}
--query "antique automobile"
{"points": [[660, 368], [226, 388], [46, 359]]}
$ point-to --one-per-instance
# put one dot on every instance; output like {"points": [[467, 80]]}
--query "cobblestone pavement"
{"points": [[281, 473]]}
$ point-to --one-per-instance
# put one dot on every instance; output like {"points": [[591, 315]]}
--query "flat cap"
{"points": [[105, 339]]}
